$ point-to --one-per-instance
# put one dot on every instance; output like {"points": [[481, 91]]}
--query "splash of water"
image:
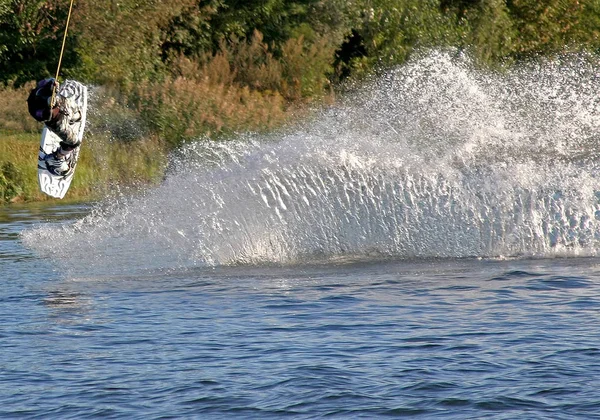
{"points": [[435, 159]]}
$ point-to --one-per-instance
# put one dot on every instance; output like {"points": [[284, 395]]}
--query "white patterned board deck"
{"points": [[57, 185]]}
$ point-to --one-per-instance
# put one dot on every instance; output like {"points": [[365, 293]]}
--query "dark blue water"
{"points": [[427, 248], [427, 339]]}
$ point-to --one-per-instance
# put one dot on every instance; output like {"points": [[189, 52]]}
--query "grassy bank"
{"points": [[129, 135], [102, 164]]}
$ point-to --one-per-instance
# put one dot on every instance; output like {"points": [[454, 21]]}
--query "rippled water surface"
{"points": [[429, 339], [427, 248]]}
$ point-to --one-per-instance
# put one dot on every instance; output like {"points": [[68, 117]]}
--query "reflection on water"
{"points": [[64, 300], [24, 275], [67, 307]]}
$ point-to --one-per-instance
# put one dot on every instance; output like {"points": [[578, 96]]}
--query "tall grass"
{"points": [[104, 161], [243, 87], [182, 108], [102, 165], [129, 146]]}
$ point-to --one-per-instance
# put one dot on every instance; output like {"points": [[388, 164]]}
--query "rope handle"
{"points": [[62, 50]]}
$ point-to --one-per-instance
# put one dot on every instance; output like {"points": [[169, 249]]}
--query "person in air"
{"points": [[64, 119]]}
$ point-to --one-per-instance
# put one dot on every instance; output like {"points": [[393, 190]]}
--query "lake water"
{"points": [[428, 249], [425, 338]]}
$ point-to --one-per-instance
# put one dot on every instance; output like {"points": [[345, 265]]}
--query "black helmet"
{"points": [[39, 99]]}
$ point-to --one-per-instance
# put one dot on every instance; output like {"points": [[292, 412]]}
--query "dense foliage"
{"points": [[166, 71], [125, 41], [192, 67]]}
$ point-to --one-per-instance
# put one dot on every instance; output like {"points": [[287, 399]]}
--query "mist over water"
{"points": [[433, 160]]}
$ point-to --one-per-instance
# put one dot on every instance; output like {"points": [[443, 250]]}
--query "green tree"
{"points": [[500, 30], [30, 38], [120, 41], [192, 32], [386, 32], [287, 46], [203, 28], [491, 34], [547, 26]]}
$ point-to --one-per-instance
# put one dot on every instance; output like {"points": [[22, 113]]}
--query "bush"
{"points": [[15, 116], [11, 182], [192, 105]]}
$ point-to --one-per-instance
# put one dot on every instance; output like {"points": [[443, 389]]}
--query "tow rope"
{"points": [[62, 50]]}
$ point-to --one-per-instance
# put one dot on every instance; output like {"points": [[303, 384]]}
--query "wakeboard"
{"points": [[50, 183]]}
